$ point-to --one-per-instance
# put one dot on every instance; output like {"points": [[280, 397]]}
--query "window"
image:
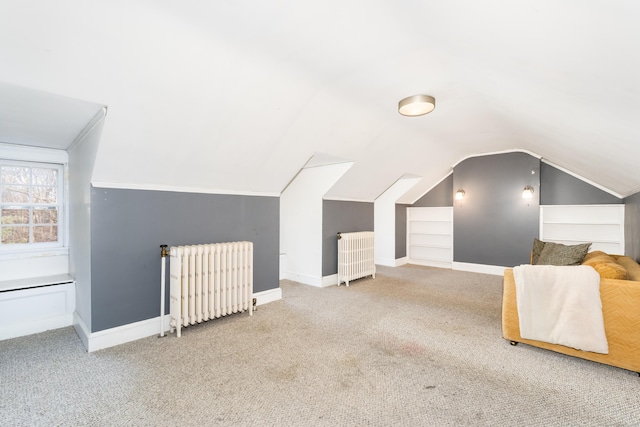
{"points": [[31, 203]]}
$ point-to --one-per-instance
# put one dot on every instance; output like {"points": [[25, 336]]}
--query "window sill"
{"points": [[34, 282]]}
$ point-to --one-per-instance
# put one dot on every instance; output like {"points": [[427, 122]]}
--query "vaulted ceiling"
{"points": [[237, 96]]}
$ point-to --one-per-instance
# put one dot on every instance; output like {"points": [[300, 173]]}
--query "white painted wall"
{"points": [[384, 211], [82, 156], [301, 221], [30, 263]]}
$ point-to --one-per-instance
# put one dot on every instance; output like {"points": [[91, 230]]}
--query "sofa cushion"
{"points": [[608, 269], [598, 258], [593, 254], [559, 254], [632, 267]]}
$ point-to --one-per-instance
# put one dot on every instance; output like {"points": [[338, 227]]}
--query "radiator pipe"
{"points": [[163, 253]]}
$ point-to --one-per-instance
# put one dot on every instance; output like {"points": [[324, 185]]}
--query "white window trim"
{"points": [[33, 156]]}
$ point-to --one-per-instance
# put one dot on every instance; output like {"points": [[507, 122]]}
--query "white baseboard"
{"points": [[331, 280], [30, 311], [391, 262], [81, 329], [268, 296], [401, 261], [94, 341], [304, 278], [437, 264], [479, 268]]}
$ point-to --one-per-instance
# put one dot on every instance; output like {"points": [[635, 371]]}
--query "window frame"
{"points": [[18, 250]]}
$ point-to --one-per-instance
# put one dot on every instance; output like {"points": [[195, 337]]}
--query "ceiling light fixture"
{"points": [[416, 105]]}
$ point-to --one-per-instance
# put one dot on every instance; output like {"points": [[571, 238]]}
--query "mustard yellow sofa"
{"points": [[620, 309]]}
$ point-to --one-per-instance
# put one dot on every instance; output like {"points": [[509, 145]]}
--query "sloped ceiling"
{"points": [[238, 96]]}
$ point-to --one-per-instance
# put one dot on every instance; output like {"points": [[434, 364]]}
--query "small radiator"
{"points": [[355, 256], [209, 281]]}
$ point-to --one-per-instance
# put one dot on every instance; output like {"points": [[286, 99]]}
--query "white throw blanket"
{"points": [[561, 305]]}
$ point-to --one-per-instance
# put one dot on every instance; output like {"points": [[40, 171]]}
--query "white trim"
{"points": [[347, 199], [479, 268], [35, 282], [30, 252], [120, 334], [61, 205], [304, 279], [160, 187], [35, 302], [581, 178], [88, 128], [268, 296], [516, 150], [401, 261], [430, 188], [436, 264], [81, 329], [94, 341], [330, 280], [386, 262], [26, 153]]}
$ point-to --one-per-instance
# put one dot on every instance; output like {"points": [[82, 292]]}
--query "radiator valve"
{"points": [[163, 251], [254, 302]]}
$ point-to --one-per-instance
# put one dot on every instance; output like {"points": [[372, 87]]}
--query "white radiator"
{"points": [[209, 281], [355, 256]]}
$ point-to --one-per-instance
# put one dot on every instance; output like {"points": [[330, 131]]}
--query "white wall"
{"points": [[29, 263], [384, 219], [82, 156], [301, 221]]}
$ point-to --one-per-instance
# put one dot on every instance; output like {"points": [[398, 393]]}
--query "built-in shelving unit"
{"points": [[430, 236], [602, 225]]}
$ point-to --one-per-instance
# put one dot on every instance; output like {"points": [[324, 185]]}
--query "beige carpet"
{"points": [[414, 347]]}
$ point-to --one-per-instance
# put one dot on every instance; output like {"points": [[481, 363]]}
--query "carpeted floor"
{"points": [[415, 346]]}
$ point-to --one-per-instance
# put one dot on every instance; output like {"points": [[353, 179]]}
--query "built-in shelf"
{"points": [[602, 225], [430, 236]]}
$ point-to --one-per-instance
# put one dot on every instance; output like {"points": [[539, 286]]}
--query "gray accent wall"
{"points": [[341, 216], [493, 224], [401, 230], [560, 188], [128, 227], [439, 196], [632, 226]]}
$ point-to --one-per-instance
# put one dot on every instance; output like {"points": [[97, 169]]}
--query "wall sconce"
{"points": [[460, 194], [527, 193]]}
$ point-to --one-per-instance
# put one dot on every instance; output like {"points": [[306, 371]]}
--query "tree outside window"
{"points": [[30, 202]]}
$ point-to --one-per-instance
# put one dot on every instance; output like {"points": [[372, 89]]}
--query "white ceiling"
{"points": [[238, 96]]}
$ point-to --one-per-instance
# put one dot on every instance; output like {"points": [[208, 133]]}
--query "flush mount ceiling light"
{"points": [[416, 105]]}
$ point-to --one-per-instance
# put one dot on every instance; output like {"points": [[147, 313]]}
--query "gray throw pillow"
{"points": [[538, 245], [558, 254]]}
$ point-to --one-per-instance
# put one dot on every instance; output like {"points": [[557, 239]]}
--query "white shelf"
{"points": [[430, 236], [602, 225], [435, 246]]}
